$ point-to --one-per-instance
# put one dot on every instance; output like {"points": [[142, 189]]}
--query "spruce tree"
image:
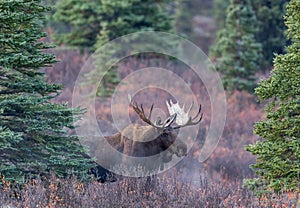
{"points": [[33, 130], [93, 23], [278, 152], [236, 52], [270, 28], [220, 8], [118, 18], [80, 20], [100, 21]]}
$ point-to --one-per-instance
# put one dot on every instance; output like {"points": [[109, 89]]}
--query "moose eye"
{"points": [[167, 130]]}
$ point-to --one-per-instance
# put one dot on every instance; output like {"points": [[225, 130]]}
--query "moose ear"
{"points": [[169, 120]]}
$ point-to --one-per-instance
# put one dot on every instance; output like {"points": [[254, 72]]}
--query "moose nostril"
{"points": [[181, 152]]}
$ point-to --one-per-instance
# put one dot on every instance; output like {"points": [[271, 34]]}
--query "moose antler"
{"points": [[140, 111], [183, 118]]}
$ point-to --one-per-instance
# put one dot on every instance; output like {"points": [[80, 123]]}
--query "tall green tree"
{"points": [[33, 137], [236, 52], [90, 22], [278, 152], [93, 23], [80, 20], [220, 8], [118, 18], [271, 28]]}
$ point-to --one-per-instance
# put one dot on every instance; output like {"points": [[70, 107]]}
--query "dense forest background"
{"points": [[255, 47]]}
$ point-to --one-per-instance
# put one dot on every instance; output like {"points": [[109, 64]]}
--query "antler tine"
{"points": [[200, 118], [198, 113], [150, 113], [191, 121], [141, 106], [190, 108], [139, 109]]}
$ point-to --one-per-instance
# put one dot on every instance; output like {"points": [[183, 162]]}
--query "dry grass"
{"points": [[167, 190]]}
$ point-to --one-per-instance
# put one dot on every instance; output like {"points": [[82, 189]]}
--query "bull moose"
{"points": [[157, 138]]}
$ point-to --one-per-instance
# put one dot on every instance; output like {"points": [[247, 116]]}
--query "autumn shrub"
{"points": [[229, 158], [171, 190]]}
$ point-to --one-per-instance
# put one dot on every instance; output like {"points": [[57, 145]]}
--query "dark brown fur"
{"points": [[143, 141]]}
